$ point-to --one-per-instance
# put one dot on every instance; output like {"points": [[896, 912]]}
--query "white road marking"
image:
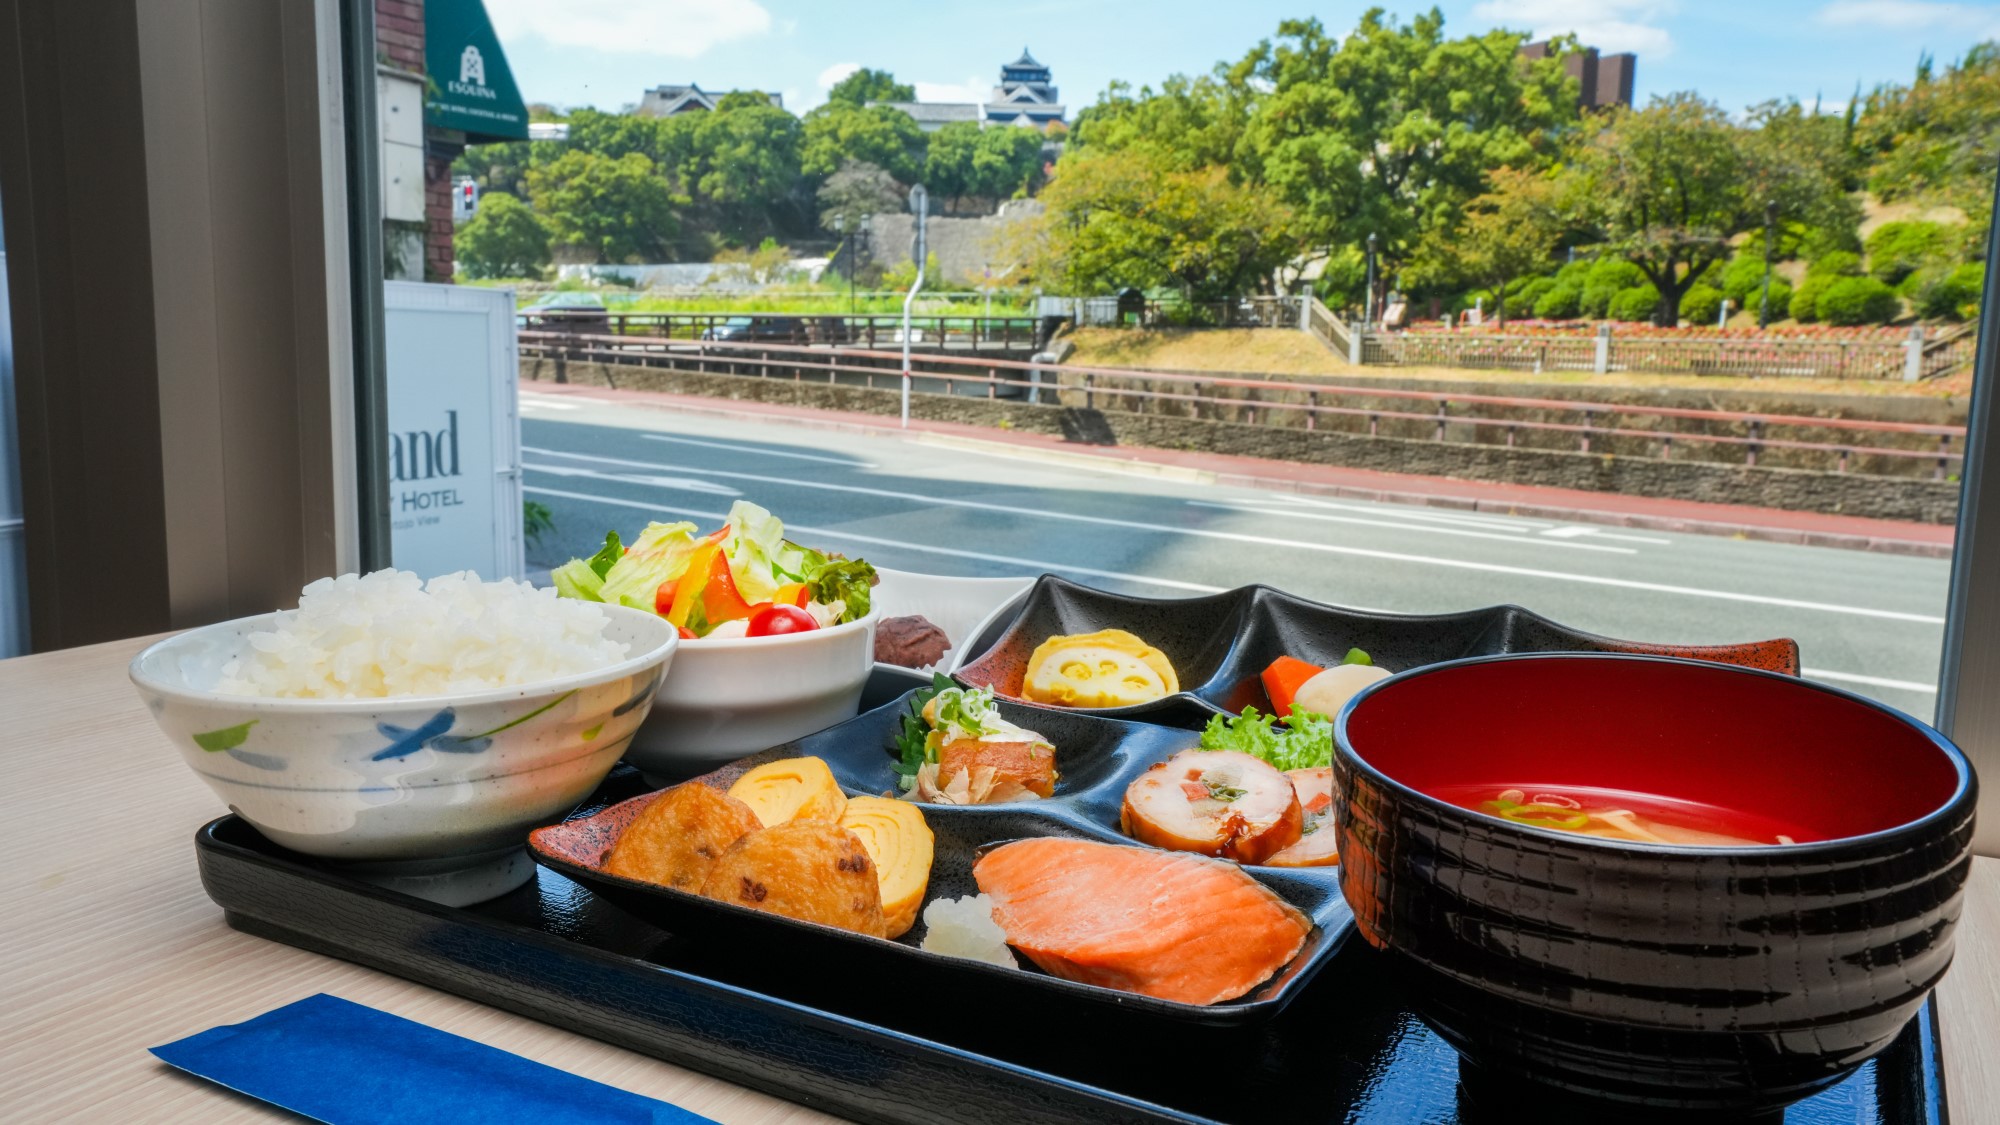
{"points": [[1871, 681], [1258, 509], [1268, 541], [1497, 523], [1579, 531], [536, 402], [1036, 565], [688, 484], [848, 461]]}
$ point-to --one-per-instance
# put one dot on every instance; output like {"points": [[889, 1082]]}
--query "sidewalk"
{"points": [[1811, 529]]}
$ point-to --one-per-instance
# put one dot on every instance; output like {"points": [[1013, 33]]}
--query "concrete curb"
{"points": [[1140, 466]]}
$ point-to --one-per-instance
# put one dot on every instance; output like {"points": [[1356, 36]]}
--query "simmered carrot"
{"points": [[1283, 679]]}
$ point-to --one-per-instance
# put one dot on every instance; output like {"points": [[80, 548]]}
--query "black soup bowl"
{"points": [[1735, 978]]}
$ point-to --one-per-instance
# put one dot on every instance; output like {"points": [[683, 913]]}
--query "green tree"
{"points": [[1667, 187], [1934, 140], [1126, 218], [1393, 129], [1507, 233], [887, 138], [853, 193], [619, 210], [502, 239], [865, 85], [1189, 123], [745, 167], [965, 159]]}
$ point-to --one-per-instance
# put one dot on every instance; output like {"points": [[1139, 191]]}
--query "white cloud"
{"points": [[832, 75], [1913, 15], [1608, 25], [673, 28], [970, 90]]}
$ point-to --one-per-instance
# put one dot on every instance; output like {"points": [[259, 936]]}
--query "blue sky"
{"points": [[1736, 52]]}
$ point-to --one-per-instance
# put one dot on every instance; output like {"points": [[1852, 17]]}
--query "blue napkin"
{"points": [[348, 1064]]}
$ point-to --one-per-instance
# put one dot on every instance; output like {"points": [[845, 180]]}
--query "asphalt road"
{"points": [[1872, 623]]}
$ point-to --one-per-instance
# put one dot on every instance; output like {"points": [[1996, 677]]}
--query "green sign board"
{"points": [[470, 88]]}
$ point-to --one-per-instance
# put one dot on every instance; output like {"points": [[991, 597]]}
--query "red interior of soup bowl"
{"points": [[1758, 743]]}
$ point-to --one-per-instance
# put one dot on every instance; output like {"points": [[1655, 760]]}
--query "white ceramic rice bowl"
{"points": [[734, 696], [409, 778]]}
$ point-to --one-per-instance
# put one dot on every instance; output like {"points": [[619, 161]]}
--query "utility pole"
{"points": [[1770, 251], [920, 203], [1368, 299]]}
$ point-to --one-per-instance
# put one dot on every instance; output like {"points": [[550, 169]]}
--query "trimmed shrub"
{"points": [[1835, 263], [1575, 273], [1701, 304], [1849, 301], [1521, 301], [1636, 303], [1897, 250], [1562, 302], [1742, 279], [1613, 274], [1781, 298], [1951, 296], [1804, 304]]}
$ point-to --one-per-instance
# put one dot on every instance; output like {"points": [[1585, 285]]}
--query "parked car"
{"points": [[750, 329], [566, 312]]}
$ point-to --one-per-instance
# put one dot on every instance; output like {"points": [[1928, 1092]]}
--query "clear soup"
{"points": [[1620, 815]]}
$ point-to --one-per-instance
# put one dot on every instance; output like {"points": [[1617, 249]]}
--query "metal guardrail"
{"points": [[776, 360], [868, 330]]}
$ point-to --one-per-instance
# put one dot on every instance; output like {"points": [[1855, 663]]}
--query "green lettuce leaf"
{"points": [[1307, 740], [577, 579], [659, 553], [760, 558], [912, 741], [843, 580]]}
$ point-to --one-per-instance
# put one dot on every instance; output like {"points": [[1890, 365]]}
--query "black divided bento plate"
{"points": [[1350, 1049], [1221, 643], [1097, 758]]}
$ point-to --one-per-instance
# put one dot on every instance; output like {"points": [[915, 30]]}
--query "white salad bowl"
{"points": [[732, 696], [430, 794]]}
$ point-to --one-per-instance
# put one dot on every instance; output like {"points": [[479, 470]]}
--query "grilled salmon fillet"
{"points": [[1164, 924]]}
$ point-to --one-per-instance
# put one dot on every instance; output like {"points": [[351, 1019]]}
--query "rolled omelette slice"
{"points": [[1164, 924], [1108, 668]]}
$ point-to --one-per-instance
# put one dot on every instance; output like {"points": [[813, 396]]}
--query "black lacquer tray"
{"points": [[1219, 644], [1098, 758], [1349, 1049]]}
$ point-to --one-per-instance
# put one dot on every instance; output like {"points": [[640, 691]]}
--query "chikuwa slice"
{"points": [[1214, 802]]}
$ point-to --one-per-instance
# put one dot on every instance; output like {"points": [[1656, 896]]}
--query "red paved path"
{"points": [[1569, 505]]}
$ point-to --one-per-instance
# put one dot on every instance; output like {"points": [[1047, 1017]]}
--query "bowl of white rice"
{"points": [[413, 731]]}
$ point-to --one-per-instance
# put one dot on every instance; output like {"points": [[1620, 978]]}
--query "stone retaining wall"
{"points": [[1854, 494]]}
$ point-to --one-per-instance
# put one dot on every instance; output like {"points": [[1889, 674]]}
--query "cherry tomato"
{"points": [[772, 620]]}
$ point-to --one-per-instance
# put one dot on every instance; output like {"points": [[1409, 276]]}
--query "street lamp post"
{"points": [[1368, 298], [919, 203], [1770, 250]]}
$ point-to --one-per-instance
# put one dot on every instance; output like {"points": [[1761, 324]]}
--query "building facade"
{"points": [[672, 101], [1026, 96], [1602, 80]]}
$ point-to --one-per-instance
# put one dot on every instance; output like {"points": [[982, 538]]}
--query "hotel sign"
{"points": [[470, 88]]}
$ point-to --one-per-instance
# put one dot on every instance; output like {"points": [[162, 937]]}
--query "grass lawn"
{"points": [[1284, 351]]}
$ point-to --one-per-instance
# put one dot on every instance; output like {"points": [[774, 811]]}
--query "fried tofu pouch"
{"points": [[678, 838], [791, 789], [809, 870], [902, 846]]}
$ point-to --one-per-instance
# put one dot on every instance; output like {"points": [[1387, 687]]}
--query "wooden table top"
{"points": [[111, 946]]}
